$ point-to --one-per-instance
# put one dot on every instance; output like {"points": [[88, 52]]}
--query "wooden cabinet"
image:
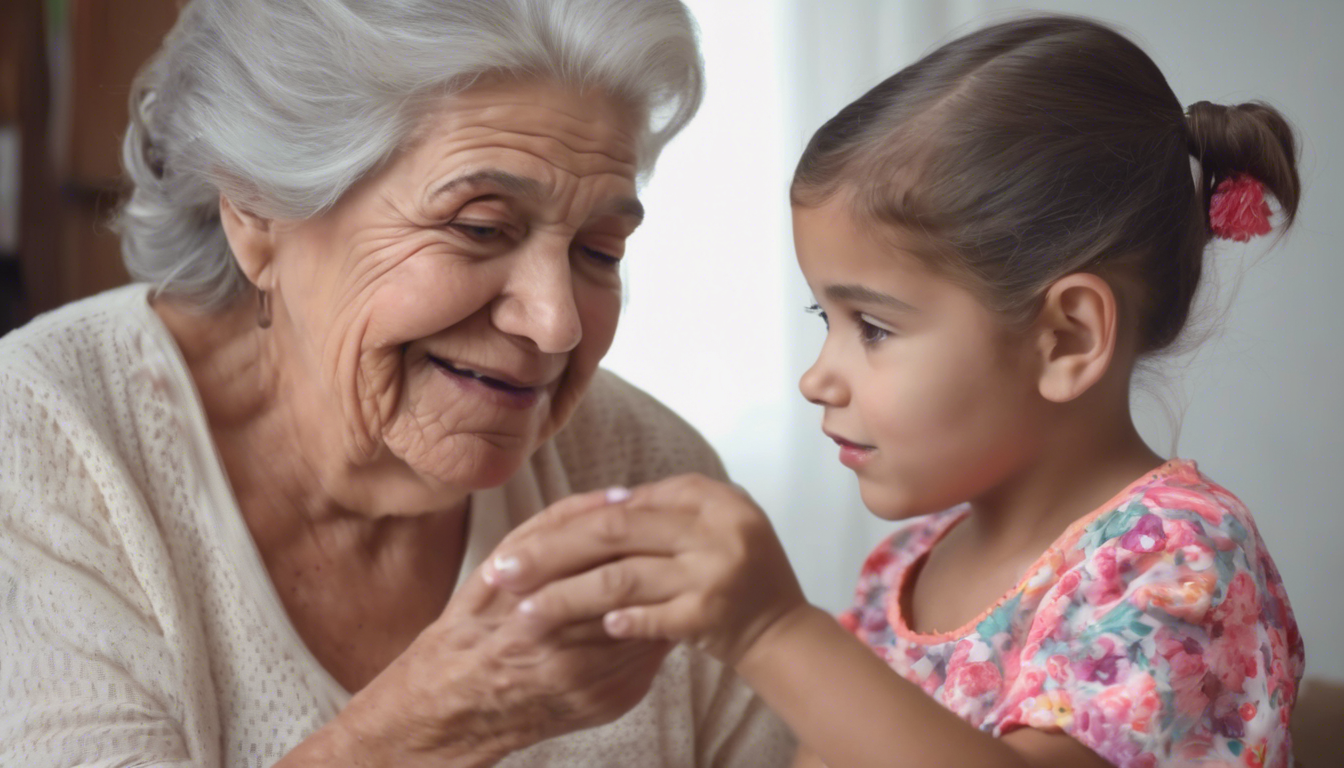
{"points": [[71, 118]]}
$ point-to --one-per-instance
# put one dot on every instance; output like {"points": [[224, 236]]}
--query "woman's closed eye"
{"points": [[599, 257], [478, 232]]}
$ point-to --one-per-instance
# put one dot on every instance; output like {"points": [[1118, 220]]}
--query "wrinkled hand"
{"points": [[488, 679], [686, 558]]}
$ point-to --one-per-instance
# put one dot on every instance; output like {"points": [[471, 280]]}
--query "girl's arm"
{"points": [[846, 704], [696, 560]]}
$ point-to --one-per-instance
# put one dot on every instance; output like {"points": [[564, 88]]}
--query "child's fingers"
{"points": [[618, 584], [588, 540]]}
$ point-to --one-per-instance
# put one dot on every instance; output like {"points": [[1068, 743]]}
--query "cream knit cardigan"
{"points": [[138, 625]]}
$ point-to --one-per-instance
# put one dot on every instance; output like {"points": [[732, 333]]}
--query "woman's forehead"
{"points": [[581, 131]]}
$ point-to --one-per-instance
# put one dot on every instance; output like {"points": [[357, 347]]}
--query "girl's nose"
{"points": [[822, 386]]}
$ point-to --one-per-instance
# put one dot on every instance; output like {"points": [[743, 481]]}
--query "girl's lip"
{"points": [[843, 443]]}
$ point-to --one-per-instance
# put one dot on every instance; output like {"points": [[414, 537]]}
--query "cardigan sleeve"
{"points": [[86, 675]]}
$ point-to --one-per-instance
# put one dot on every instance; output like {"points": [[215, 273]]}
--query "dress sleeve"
{"points": [[1169, 643], [87, 677]]}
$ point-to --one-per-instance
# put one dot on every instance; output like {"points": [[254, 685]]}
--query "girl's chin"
{"points": [[889, 503]]}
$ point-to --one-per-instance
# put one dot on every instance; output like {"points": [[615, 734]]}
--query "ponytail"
{"points": [[1250, 139]]}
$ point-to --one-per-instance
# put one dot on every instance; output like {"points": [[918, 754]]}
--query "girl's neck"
{"points": [[1084, 464]]}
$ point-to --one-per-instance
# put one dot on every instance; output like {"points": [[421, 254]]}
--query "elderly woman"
{"points": [[243, 502]]}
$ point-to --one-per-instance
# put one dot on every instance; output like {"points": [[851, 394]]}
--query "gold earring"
{"points": [[263, 309]]}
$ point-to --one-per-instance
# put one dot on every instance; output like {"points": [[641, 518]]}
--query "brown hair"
{"points": [[1041, 147]]}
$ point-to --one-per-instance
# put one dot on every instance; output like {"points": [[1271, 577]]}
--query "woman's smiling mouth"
{"points": [[499, 387]]}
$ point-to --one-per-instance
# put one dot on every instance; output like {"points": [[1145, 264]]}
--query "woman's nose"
{"points": [[821, 386], [538, 302]]}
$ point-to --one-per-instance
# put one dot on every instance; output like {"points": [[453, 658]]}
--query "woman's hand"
{"points": [[485, 680], [686, 559]]}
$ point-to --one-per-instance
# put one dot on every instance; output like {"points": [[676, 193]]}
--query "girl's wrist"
{"points": [[771, 647]]}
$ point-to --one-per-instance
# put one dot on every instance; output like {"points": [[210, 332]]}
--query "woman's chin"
{"points": [[465, 462]]}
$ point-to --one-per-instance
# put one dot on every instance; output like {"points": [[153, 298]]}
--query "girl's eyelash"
{"points": [[871, 333]]}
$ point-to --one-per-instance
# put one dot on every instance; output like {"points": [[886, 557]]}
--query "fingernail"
{"points": [[503, 567], [617, 494], [616, 622], [527, 607]]}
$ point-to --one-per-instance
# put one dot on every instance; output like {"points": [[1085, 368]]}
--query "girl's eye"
{"points": [[815, 309], [870, 332], [602, 258]]}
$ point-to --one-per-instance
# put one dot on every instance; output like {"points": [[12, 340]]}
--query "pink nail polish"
{"points": [[504, 567], [617, 494]]}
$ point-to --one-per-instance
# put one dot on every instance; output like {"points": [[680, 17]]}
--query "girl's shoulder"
{"points": [[1174, 510]]}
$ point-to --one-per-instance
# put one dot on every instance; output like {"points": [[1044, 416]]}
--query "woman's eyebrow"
{"points": [[860, 294], [509, 183], [522, 186]]}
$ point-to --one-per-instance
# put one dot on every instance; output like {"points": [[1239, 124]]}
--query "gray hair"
{"points": [[282, 105]]}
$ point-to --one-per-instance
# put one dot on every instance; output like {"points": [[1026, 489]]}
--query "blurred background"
{"points": [[714, 324]]}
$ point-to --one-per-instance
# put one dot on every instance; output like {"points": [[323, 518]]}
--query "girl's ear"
{"points": [[250, 240], [1075, 335]]}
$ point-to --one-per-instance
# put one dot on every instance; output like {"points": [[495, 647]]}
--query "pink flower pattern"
{"points": [[1156, 631]]}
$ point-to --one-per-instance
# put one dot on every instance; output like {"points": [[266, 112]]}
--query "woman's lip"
{"points": [[501, 393], [498, 376]]}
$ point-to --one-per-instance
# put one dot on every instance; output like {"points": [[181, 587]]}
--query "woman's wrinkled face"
{"points": [[454, 305]]}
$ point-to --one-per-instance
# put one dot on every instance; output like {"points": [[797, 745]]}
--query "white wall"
{"points": [[714, 326]]}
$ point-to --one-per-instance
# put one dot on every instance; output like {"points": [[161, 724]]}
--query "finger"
{"points": [[591, 594], [691, 489], [554, 516], [675, 619], [589, 540]]}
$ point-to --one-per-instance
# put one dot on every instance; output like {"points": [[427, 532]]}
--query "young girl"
{"points": [[995, 236]]}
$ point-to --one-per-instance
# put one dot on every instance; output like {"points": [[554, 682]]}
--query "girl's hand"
{"points": [[685, 559]]}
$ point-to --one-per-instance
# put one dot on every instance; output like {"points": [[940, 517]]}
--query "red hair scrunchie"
{"points": [[1238, 210]]}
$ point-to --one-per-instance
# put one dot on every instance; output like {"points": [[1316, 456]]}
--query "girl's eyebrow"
{"points": [[864, 295]]}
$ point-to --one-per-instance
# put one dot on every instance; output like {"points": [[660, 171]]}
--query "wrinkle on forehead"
{"points": [[589, 124]]}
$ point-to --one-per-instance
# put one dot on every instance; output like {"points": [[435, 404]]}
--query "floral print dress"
{"points": [[1155, 631]]}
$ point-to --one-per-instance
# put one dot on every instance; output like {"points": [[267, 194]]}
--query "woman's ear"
{"points": [[1075, 335], [250, 240]]}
